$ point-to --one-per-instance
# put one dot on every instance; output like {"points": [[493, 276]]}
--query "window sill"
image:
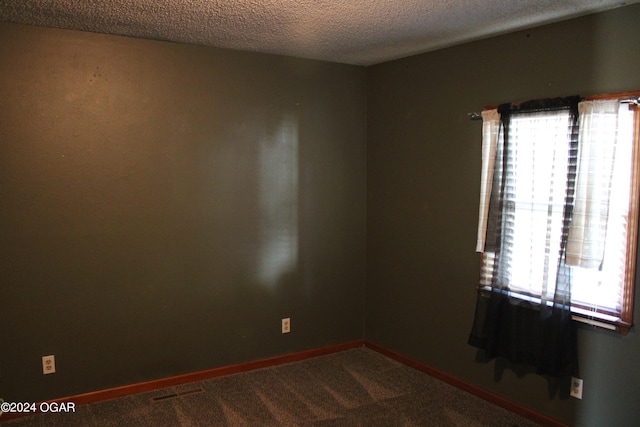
{"points": [[600, 320], [582, 315]]}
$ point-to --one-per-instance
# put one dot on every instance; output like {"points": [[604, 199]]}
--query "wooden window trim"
{"points": [[625, 321]]}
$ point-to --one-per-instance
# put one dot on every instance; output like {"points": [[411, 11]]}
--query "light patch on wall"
{"points": [[278, 202]]}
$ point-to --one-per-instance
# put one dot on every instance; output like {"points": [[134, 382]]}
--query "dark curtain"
{"points": [[541, 335]]}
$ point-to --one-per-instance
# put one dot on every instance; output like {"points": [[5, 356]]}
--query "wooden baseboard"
{"points": [[127, 390], [468, 387], [147, 386]]}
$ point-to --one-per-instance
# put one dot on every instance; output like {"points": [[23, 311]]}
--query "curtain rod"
{"points": [[636, 101]]}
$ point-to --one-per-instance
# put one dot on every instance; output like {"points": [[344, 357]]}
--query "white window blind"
{"points": [[604, 215]]}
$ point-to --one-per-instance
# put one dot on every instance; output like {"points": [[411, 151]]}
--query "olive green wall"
{"points": [[164, 206], [423, 169]]}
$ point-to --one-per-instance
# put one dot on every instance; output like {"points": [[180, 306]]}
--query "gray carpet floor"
{"points": [[358, 387]]}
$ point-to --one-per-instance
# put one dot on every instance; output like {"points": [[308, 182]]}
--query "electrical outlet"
{"points": [[48, 364], [286, 325], [576, 388]]}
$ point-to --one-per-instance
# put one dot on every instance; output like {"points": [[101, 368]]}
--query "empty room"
{"points": [[196, 191]]}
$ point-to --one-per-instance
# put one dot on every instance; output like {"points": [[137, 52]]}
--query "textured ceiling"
{"points": [[361, 32]]}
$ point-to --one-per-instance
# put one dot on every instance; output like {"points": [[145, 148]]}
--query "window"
{"points": [[565, 227]]}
